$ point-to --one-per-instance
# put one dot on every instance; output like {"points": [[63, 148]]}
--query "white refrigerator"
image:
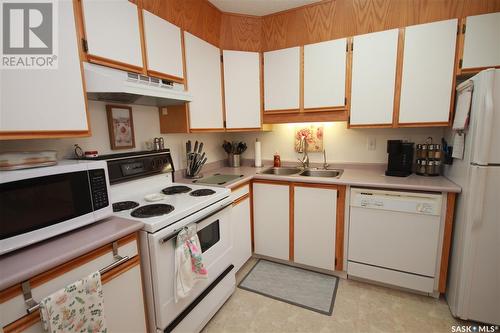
{"points": [[474, 274]]}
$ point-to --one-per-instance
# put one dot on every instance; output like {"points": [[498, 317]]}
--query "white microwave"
{"points": [[39, 203]]}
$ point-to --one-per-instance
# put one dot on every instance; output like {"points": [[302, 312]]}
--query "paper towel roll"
{"points": [[258, 156]]}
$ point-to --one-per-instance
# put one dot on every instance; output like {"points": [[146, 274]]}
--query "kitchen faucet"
{"points": [[303, 148], [325, 165]]}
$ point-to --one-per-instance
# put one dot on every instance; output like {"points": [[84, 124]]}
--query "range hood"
{"points": [[114, 85]]}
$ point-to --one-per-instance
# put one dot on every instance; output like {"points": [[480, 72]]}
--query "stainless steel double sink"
{"points": [[309, 172]]}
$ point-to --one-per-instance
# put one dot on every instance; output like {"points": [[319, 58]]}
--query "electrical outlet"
{"points": [[371, 143]]}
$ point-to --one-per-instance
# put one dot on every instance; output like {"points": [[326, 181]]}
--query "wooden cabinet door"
{"points": [[203, 69], [242, 241], [324, 74], [112, 32], [282, 79], [242, 89], [42, 101], [481, 43], [373, 78], [271, 219], [163, 47], [428, 71], [315, 217]]}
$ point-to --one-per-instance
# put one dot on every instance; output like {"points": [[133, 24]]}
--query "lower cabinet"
{"points": [[241, 230], [271, 219], [314, 221], [300, 222], [124, 307]]}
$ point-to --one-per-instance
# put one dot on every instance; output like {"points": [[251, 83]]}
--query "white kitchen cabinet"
{"points": [[282, 79], [324, 74], [203, 69], [112, 31], [241, 231], [315, 216], [124, 309], [242, 89], [163, 46], [481, 43], [428, 71], [373, 78], [271, 219], [40, 101]]}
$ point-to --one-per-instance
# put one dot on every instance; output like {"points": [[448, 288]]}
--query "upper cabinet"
{"points": [[242, 89], [325, 74], [481, 42], [373, 78], [203, 67], [112, 33], [163, 47], [42, 103], [428, 73], [282, 79]]}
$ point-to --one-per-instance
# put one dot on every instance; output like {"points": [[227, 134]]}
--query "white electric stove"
{"points": [[142, 188]]}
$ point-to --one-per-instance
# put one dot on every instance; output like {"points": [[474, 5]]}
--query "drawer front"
{"points": [[395, 240], [14, 308], [240, 191]]}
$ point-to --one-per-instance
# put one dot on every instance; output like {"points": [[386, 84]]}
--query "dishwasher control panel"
{"points": [[408, 202]]}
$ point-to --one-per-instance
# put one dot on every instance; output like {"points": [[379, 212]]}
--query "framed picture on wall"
{"points": [[120, 126]]}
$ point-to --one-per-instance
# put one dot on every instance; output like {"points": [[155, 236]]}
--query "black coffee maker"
{"points": [[400, 160]]}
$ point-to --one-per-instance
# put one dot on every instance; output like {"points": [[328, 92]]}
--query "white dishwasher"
{"points": [[394, 237]]}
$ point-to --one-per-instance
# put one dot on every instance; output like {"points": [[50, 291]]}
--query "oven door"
{"points": [[214, 233]]}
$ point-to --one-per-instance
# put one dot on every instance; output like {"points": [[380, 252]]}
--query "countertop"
{"points": [[360, 175], [26, 263]]}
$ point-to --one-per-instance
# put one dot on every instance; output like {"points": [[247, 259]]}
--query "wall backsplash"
{"points": [[342, 145], [146, 126]]}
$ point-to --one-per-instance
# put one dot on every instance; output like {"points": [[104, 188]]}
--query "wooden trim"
{"points": [[165, 76], [261, 83], [475, 70], [301, 78], [80, 27], [279, 111], [248, 129], [21, 135], [291, 221], [114, 64], [371, 126], [302, 117], [459, 52], [292, 10], [206, 130], [53, 273], [326, 108], [339, 229], [317, 185], [430, 124], [399, 78], [348, 79], [272, 182], [448, 229], [33, 318], [240, 199], [142, 36], [252, 233], [184, 68], [240, 186], [222, 87]]}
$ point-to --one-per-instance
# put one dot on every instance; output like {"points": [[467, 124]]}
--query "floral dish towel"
{"points": [[77, 308]]}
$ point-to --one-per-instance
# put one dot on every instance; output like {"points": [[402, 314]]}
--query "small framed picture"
{"points": [[120, 127]]}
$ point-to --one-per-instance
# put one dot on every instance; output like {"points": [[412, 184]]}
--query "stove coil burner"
{"points": [[176, 189], [202, 192], [124, 205], [152, 210]]}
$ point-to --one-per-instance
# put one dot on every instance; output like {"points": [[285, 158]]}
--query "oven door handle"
{"points": [[176, 232]]}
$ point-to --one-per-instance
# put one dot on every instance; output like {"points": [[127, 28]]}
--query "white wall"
{"points": [[341, 144], [146, 126]]}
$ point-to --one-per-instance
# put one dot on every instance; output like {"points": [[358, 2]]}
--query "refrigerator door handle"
{"points": [[478, 181]]}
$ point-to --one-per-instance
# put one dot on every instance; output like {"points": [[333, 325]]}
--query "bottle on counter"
{"points": [[277, 160]]}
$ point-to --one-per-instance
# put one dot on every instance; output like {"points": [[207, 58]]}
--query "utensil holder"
{"points": [[234, 160]]}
